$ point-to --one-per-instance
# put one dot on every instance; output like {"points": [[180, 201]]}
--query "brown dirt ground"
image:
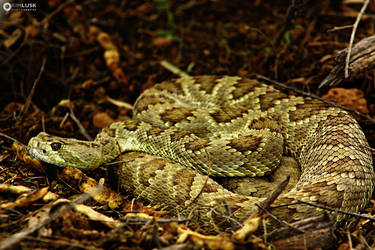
{"points": [[88, 51]]}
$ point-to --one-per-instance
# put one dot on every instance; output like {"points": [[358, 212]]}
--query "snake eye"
{"points": [[56, 146]]}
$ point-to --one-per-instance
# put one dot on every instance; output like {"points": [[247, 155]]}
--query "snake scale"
{"points": [[186, 129]]}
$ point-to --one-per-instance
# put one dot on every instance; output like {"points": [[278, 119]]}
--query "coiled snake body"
{"points": [[188, 128]]}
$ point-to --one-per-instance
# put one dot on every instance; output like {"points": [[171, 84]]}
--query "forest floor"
{"points": [[94, 58]]}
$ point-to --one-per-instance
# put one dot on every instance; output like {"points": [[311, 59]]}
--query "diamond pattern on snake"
{"points": [[188, 133]]}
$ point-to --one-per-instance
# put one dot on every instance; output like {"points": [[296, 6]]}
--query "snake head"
{"points": [[64, 152]]}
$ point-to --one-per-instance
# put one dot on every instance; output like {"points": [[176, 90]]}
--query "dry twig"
{"points": [[30, 97], [362, 59], [174, 69], [355, 26], [81, 127], [366, 117]]}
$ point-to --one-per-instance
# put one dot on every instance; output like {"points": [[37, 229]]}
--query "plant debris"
{"points": [[70, 68]]}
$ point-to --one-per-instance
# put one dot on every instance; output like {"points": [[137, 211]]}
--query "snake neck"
{"points": [[109, 146]]}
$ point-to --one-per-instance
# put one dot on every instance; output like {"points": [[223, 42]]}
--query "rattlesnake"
{"points": [[186, 129]]}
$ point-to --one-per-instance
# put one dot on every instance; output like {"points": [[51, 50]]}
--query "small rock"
{"points": [[102, 120], [350, 98]]}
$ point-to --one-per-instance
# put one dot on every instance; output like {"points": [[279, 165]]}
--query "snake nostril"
{"points": [[44, 151]]}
